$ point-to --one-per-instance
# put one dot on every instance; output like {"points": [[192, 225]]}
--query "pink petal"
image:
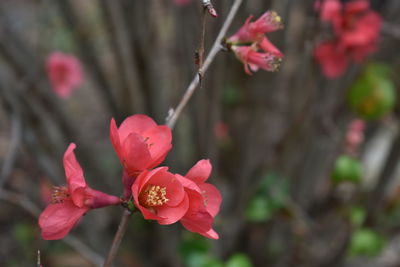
{"points": [[114, 136], [138, 124], [159, 140], [212, 198], [331, 58], [211, 234], [200, 222], [267, 46], [187, 183], [330, 10], [355, 7], [136, 155], [58, 219], [73, 170], [200, 172], [172, 214]]}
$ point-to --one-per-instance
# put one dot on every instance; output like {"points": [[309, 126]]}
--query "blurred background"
{"points": [[309, 175]]}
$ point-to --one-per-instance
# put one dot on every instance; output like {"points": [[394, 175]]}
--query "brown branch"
{"points": [[15, 135], [87, 53], [123, 225], [124, 54], [171, 121]]}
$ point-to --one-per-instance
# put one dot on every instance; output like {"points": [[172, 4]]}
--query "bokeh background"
{"points": [[292, 193]]}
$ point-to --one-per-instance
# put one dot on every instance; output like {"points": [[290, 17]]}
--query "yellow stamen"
{"points": [[59, 194], [154, 195]]}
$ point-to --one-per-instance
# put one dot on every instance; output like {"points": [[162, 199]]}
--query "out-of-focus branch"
{"points": [[15, 135], [120, 40], [87, 53], [386, 176], [391, 30], [29, 206], [171, 120]]}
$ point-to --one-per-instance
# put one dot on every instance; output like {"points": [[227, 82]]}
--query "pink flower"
{"points": [[355, 136], [356, 32], [254, 31], [253, 48], [254, 60], [221, 130], [140, 144], [204, 200], [64, 72], [160, 196], [70, 202], [332, 59]]}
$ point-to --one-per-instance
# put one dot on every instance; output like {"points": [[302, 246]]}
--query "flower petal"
{"points": [[138, 123], [212, 198], [136, 155], [114, 136], [172, 214], [200, 222], [159, 141], [200, 172], [58, 219], [73, 170]]}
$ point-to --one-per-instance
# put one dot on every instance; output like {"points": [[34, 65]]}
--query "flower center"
{"points": [[154, 195], [59, 194]]}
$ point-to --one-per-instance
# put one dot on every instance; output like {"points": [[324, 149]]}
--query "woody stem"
{"points": [[123, 225], [210, 58]]}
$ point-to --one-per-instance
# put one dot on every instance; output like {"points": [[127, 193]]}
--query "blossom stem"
{"points": [[123, 225], [171, 121]]}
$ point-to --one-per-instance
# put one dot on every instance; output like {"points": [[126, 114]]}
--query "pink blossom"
{"points": [[64, 72], [160, 196], [204, 200], [140, 144], [254, 60], [253, 48], [355, 136], [69, 203], [356, 31], [254, 31]]}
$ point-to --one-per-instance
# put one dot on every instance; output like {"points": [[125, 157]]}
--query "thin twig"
{"points": [[123, 225], [210, 58], [15, 135], [28, 205]]}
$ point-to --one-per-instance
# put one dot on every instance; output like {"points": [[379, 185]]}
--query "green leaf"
{"points": [[239, 260], [366, 242], [373, 94], [202, 260], [347, 169]]}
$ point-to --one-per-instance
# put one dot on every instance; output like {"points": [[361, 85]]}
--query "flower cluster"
{"points": [[64, 72], [253, 48], [158, 194], [356, 31]]}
